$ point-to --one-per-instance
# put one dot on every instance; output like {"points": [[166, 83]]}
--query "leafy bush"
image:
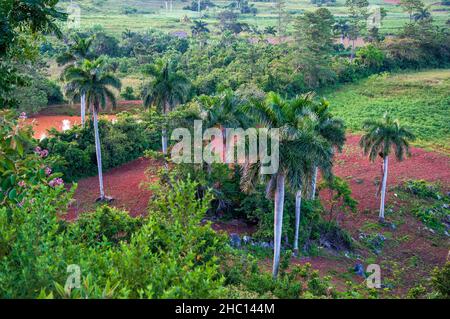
{"points": [[172, 255], [121, 142], [105, 224], [440, 279]]}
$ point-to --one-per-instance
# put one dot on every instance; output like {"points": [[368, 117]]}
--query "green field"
{"points": [[420, 100], [152, 14]]}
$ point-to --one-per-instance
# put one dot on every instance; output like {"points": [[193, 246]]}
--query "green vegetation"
{"points": [[419, 99]]}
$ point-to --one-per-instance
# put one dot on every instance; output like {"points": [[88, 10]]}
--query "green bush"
{"points": [[121, 142], [169, 254], [423, 189], [440, 279]]}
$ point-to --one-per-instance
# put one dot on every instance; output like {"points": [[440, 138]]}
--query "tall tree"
{"points": [[92, 79], [358, 13], [330, 128], [76, 53], [20, 19], [275, 112], [315, 151], [165, 90], [314, 42], [379, 140]]}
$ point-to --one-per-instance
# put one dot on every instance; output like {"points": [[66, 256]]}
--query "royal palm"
{"points": [[166, 89], [92, 79], [381, 138]]}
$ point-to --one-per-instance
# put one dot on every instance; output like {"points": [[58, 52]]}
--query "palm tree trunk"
{"points": [[383, 188], [164, 141], [298, 205], [98, 152], [314, 183], [83, 109], [278, 223], [352, 55]]}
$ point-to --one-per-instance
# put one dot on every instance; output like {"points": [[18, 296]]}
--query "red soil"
{"points": [[127, 185], [362, 174]]}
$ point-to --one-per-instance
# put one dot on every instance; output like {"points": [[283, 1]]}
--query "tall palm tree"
{"points": [[316, 149], [329, 127], [75, 54], [341, 28], [380, 138], [166, 89], [294, 145], [91, 78]]}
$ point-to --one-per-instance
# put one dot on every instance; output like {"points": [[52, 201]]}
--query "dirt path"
{"points": [[126, 184]]}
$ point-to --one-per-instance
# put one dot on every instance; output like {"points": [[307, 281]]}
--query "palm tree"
{"points": [[330, 128], [380, 138], [199, 27], [294, 145], [316, 148], [421, 14], [341, 28], [76, 53], [270, 30], [166, 89], [223, 110], [91, 79]]}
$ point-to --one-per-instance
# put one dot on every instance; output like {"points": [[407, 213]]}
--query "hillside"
{"points": [[139, 15]]}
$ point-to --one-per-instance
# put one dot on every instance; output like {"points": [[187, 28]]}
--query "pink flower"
{"points": [[48, 171], [56, 182], [23, 116], [42, 153], [21, 184]]}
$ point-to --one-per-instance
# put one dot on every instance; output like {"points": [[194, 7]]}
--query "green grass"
{"points": [[420, 100], [152, 14]]}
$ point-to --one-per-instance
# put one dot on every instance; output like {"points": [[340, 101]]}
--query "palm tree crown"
{"points": [[384, 135], [92, 79], [167, 87]]}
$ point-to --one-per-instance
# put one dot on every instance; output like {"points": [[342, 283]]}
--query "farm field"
{"points": [[420, 99], [109, 14]]}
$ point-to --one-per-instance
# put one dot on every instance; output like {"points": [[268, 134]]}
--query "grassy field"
{"points": [[420, 100], [153, 14]]}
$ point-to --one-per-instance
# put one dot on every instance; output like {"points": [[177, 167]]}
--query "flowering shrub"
{"points": [[21, 167]]}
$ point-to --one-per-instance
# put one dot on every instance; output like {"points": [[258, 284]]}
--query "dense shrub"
{"points": [[121, 141], [171, 255]]}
